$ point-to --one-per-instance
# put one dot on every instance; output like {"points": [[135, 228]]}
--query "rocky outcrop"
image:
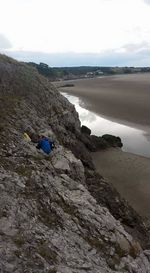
{"points": [[94, 143], [113, 140], [56, 213], [85, 130]]}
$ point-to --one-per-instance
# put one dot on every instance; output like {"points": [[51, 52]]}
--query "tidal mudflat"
{"points": [[134, 140], [125, 98], [120, 105]]}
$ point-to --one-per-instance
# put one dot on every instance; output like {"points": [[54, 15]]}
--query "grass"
{"points": [[4, 58], [49, 217], [23, 171], [53, 270], [19, 240], [47, 253]]}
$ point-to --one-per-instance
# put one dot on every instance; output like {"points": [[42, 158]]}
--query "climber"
{"points": [[45, 144]]}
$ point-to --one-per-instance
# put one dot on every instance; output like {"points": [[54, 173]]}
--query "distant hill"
{"points": [[67, 73]]}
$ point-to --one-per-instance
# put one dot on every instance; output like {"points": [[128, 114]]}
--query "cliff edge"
{"points": [[56, 213]]}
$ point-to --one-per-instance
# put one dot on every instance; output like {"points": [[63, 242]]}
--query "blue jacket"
{"points": [[45, 145]]}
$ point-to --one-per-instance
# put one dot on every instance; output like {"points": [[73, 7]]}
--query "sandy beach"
{"points": [[124, 98], [130, 175]]}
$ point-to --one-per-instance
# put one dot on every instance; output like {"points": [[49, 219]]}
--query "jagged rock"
{"points": [[93, 143], [56, 213], [113, 140], [99, 142], [85, 130]]}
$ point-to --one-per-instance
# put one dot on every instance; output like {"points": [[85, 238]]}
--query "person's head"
{"points": [[42, 137], [29, 130]]}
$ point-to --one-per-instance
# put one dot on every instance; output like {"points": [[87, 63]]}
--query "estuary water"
{"points": [[134, 140]]}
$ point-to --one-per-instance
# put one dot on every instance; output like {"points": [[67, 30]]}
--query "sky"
{"points": [[76, 32]]}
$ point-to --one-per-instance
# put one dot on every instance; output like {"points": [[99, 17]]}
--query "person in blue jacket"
{"points": [[45, 144]]}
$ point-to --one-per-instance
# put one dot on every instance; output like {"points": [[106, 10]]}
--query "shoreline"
{"points": [[123, 99], [134, 140], [145, 128]]}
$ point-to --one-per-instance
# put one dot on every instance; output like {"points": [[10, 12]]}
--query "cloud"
{"points": [[134, 48], [127, 55], [4, 42], [147, 2]]}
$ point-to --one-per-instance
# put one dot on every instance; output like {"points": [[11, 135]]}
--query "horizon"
{"points": [[55, 60]]}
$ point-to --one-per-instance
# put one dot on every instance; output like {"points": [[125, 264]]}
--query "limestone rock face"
{"points": [[55, 212]]}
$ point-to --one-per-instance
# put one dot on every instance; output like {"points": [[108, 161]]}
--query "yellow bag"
{"points": [[26, 137]]}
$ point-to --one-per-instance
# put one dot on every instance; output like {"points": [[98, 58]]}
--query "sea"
{"points": [[134, 140]]}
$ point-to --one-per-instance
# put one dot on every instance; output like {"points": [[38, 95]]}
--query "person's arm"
{"points": [[38, 145], [52, 144]]}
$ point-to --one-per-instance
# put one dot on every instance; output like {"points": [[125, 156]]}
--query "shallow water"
{"points": [[134, 140]]}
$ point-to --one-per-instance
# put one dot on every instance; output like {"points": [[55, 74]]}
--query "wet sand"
{"points": [[124, 98], [129, 173]]}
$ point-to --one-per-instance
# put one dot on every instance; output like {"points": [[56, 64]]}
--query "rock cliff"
{"points": [[56, 213]]}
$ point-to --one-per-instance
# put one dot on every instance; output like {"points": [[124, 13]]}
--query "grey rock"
{"points": [[113, 140], [56, 213]]}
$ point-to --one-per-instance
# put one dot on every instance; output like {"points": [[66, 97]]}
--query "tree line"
{"points": [[66, 73]]}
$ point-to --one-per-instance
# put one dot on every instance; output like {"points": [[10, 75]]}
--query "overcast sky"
{"points": [[118, 30]]}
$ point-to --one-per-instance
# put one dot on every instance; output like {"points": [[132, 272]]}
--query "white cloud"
{"points": [[72, 25], [84, 26], [114, 57], [147, 2], [133, 48], [4, 42]]}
